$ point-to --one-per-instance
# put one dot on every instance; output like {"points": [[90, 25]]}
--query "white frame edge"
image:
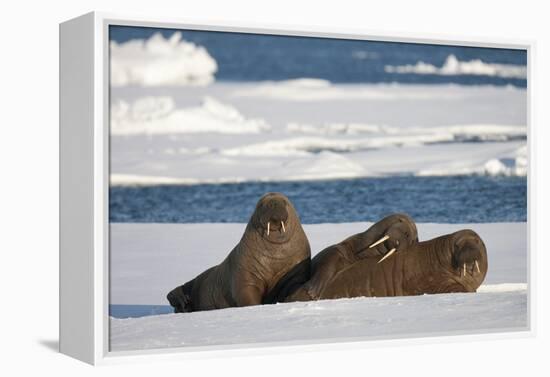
{"points": [[84, 166], [76, 188]]}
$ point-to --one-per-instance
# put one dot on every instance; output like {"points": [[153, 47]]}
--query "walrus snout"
{"points": [[274, 214], [469, 255], [402, 232], [395, 233], [180, 298], [276, 210]]}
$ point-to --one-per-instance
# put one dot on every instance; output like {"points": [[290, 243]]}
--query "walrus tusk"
{"points": [[477, 266], [379, 241], [387, 254], [268, 228], [464, 267], [283, 226]]}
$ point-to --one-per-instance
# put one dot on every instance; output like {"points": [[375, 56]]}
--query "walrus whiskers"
{"points": [[379, 241], [477, 267], [387, 254], [268, 228], [283, 226]]}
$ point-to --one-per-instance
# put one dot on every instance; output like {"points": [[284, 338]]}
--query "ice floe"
{"points": [[160, 61], [312, 90], [167, 136], [160, 115], [453, 67]]}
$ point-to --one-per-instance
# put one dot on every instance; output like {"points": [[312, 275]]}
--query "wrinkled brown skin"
{"points": [[252, 272], [335, 259], [429, 267]]}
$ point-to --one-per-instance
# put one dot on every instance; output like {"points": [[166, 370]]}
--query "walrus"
{"points": [[455, 262], [271, 259], [394, 233]]}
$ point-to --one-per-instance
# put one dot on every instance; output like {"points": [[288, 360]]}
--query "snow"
{"points": [[470, 132], [504, 287], [315, 90], [512, 163], [453, 67], [280, 131], [159, 61], [388, 138], [148, 260], [158, 115], [327, 320], [177, 161]]}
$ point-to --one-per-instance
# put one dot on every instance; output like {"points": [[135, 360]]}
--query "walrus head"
{"points": [[274, 218], [180, 298], [468, 259], [393, 234], [456, 262]]}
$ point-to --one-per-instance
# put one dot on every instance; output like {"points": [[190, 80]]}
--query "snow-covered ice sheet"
{"points": [[148, 260], [313, 129], [327, 320]]}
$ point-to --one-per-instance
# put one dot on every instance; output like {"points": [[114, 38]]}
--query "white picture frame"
{"points": [[84, 182]]}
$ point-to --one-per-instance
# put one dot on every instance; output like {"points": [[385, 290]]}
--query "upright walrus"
{"points": [[394, 233], [272, 257], [455, 262]]}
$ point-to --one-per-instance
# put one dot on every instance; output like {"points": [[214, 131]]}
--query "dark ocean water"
{"points": [[136, 311], [452, 199], [254, 57]]}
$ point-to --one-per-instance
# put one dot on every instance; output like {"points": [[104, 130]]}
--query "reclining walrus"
{"points": [[272, 257], [388, 260], [394, 232]]}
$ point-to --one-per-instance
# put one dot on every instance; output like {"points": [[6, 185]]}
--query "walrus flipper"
{"points": [[289, 283]]}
